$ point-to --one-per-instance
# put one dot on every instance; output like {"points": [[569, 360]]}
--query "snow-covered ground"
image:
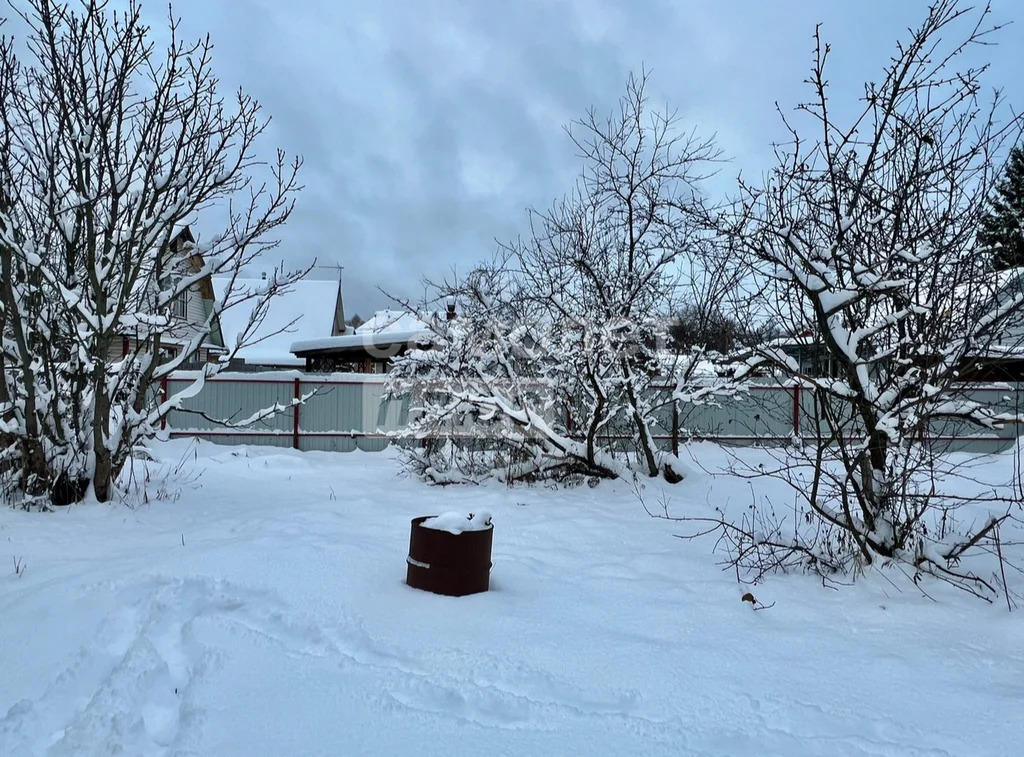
{"points": [[259, 609]]}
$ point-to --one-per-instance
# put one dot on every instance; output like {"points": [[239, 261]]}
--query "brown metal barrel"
{"points": [[445, 563]]}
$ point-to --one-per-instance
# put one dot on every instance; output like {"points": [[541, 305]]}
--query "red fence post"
{"points": [[796, 411], [163, 399], [295, 415]]}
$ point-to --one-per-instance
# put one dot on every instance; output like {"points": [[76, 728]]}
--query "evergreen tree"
{"points": [[1002, 227]]}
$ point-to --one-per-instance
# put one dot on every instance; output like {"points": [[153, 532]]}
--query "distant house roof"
{"points": [[359, 343], [314, 306], [384, 321], [386, 334]]}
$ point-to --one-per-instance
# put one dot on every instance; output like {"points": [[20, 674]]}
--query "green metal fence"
{"points": [[345, 413]]}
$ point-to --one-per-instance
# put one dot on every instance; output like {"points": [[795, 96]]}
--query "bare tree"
{"points": [[110, 148], [704, 328], [560, 341], [863, 236]]}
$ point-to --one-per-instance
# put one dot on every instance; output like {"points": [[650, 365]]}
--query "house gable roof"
{"points": [[315, 307]]}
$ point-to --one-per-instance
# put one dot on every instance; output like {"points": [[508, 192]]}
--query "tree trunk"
{"points": [[35, 473], [647, 448], [103, 472], [595, 422]]}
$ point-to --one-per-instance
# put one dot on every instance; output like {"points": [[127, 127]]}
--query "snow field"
{"points": [[260, 609]]}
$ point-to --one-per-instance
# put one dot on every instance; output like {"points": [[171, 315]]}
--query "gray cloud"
{"points": [[429, 126]]}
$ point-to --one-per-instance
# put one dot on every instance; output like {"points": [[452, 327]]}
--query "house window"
{"points": [[179, 306]]}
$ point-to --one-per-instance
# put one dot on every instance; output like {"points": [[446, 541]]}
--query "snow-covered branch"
{"points": [[128, 180], [561, 339], [863, 241]]}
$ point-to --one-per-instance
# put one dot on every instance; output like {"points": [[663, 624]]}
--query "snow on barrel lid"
{"points": [[456, 522]]}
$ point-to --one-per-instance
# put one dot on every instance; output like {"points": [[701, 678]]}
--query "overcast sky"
{"points": [[428, 126]]}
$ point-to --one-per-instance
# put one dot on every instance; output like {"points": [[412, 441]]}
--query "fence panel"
{"points": [[764, 414], [226, 400], [334, 407], [349, 412], [951, 435]]}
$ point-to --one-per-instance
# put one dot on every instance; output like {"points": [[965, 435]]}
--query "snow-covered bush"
{"points": [[555, 365], [110, 149], [864, 237]]}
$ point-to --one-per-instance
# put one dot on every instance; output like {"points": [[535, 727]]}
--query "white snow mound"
{"points": [[456, 522]]}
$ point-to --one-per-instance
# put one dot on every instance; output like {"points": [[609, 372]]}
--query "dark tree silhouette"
{"points": [[1001, 233]]}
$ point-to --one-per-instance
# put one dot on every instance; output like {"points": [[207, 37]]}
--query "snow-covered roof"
{"points": [[310, 303], [987, 289], [350, 341], [804, 338], [384, 321], [385, 328], [673, 363], [1001, 278]]}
